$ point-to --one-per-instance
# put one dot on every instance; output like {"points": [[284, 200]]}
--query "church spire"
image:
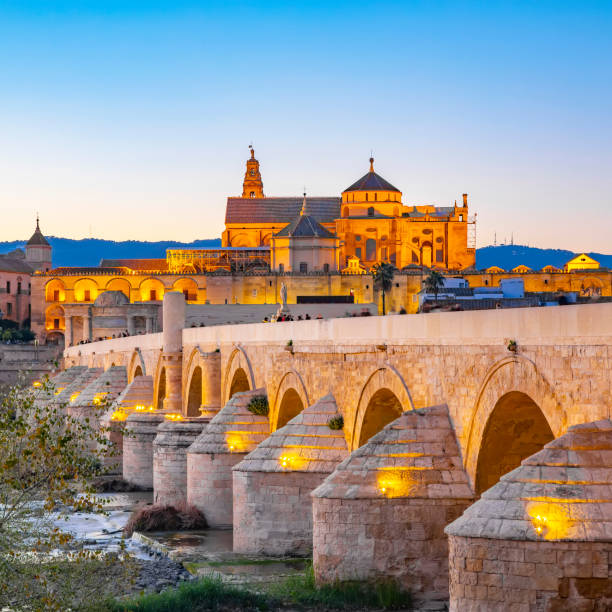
{"points": [[305, 210], [252, 186]]}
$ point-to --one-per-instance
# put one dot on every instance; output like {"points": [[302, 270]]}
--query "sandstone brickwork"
{"points": [[170, 459], [273, 483], [228, 438], [141, 429], [102, 390], [58, 383], [74, 389], [138, 393], [540, 539], [381, 513]]}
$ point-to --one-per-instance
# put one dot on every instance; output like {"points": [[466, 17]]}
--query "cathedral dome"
{"points": [[371, 182]]}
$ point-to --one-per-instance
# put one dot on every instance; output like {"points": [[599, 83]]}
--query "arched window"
{"points": [[371, 211], [366, 197], [252, 194], [345, 213]]}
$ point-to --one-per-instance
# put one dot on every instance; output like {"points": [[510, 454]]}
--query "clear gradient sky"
{"points": [[131, 120]]}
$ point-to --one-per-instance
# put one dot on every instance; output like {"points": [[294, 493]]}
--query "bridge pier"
{"points": [[273, 483], [172, 356], [138, 394], [229, 437], [141, 428], [170, 446], [541, 538], [381, 513]]}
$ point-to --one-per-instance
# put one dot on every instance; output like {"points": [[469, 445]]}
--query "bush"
{"points": [[8, 324], [353, 594], [259, 405], [209, 593], [336, 422], [165, 518]]}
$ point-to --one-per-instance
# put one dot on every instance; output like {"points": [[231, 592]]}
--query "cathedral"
{"points": [[369, 223], [316, 250]]}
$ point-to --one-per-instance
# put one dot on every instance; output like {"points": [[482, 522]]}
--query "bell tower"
{"points": [[252, 187]]}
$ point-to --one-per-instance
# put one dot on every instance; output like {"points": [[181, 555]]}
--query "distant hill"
{"points": [[89, 252], [509, 256]]}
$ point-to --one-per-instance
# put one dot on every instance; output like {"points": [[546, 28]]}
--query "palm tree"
{"points": [[383, 279], [434, 282]]}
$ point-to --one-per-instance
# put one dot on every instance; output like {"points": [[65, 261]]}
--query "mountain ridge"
{"points": [[88, 252]]}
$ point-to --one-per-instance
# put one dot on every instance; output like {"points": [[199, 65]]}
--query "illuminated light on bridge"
{"points": [[141, 408], [119, 415], [99, 397], [74, 396], [550, 520], [174, 416]]}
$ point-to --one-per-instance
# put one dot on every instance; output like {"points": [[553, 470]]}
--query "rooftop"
{"points": [[371, 182], [280, 210]]}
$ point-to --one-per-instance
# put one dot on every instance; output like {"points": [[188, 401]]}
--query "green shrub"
{"points": [[259, 405], [336, 422], [209, 593], [353, 594]]}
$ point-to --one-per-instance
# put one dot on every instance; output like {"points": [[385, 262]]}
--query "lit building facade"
{"points": [[370, 221], [316, 247]]}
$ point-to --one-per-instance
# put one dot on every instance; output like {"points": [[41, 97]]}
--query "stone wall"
{"points": [[373, 539], [170, 459], [503, 575], [138, 448], [273, 510]]}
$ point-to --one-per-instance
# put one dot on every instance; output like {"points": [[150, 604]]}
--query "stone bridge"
{"points": [[504, 404], [510, 408]]}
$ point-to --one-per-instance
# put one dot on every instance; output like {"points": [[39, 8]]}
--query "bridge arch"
{"points": [[290, 399], [193, 383], [383, 398], [238, 374], [136, 366], [159, 385], [514, 397]]}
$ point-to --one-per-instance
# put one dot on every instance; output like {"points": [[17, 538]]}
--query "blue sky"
{"points": [[131, 120]]}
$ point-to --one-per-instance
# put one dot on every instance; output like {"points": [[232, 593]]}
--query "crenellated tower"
{"points": [[252, 187]]}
